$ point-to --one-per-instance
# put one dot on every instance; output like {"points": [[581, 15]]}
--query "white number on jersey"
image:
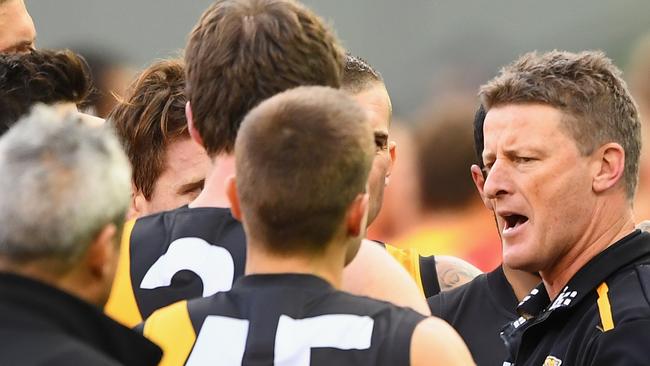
{"points": [[213, 264], [222, 340]]}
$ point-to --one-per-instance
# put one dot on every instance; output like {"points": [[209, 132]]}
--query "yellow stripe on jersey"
{"points": [[604, 308], [410, 260], [121, 304], [171, 329]]}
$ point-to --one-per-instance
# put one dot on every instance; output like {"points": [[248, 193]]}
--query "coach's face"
{"points": [[538, 183], [376, 102], [18, 32]]}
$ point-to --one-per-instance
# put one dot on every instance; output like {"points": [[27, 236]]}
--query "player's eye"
{"points": [[381, 144]]}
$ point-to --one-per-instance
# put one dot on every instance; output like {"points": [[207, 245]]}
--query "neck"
{"points": [[522, 282], [603, 231], [328, 265], [214, 190], [56, 275]]}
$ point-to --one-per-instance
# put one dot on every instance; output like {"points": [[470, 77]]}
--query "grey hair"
{"points": [[61, 182]]}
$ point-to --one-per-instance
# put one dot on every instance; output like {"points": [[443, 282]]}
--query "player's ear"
{"points": [[138, 203], [609, 167], [357, 215], [479, 182], [101, 256], [233, 197], [194, 133]]}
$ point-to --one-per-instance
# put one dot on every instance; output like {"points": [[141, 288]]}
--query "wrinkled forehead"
{"points": [[523, 126]]}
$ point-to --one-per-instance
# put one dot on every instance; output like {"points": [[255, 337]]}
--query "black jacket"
{"points": [[478, 310], [41, 325], [601, 317]]}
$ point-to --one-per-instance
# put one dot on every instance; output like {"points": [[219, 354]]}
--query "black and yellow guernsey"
{"points": [[283, 319], [477, 311], [196, 252], [602, 316]]}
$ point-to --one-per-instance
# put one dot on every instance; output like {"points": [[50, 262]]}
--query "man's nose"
{"points": [[497, 182]]}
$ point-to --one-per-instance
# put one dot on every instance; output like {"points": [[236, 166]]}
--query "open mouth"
{"points": [[513, 221]]}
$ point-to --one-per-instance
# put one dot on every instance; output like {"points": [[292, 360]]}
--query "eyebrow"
{"points": [[19, 45], [189, 187], [381, 135]]}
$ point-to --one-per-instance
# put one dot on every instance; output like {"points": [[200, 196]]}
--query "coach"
{"points": [[562, 143]]}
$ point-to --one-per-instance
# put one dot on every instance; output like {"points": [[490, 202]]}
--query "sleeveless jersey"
{"points": [[283, 319], [193, 252], [175, 255]]}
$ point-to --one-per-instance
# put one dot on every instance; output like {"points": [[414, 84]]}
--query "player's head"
{"points": [[244, 51], [444, 152], [367, 87], [304, 187], [40, 76], [561, 151], [18, 32], [67, 189], [169, 167]]}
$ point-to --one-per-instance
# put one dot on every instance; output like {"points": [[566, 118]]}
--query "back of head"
{"points": [[358, 75], [596, 104], [40, 76], [444, 154], [296, 186], [479, 144], [62, 183], [244, 51], [149, 118]]}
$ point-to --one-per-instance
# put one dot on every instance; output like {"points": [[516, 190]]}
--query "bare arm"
{"points": [[374, 273], [435, 342], [454, 272]]}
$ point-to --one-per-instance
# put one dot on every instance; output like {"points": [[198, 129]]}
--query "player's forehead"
{"points": [[376, 103], [520, 127]]}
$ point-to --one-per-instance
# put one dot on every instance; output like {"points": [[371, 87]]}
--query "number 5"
{"points": [[222, 340]]}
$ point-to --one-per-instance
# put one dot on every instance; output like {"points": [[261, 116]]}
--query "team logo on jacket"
{"points": [[552, 361]]}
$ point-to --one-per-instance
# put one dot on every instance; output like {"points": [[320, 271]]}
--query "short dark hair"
{"points": [[149, 118], [358, 75], [40, 76], [479, 144], [244, 51], [295, 187], [587, 88], [444, 153]]}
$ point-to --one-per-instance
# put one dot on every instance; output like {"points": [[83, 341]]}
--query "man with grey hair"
{"points": [[561, 150], [66, 189]]}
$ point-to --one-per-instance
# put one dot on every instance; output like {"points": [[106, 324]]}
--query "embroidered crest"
{"points": [[552, 361]]}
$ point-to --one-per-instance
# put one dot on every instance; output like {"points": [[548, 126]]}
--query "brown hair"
{"points": [[444, 153], [587, 88], [40, 76], [244, 51], [295, 187], [149, 118]]}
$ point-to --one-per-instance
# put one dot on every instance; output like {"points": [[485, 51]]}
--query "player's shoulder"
{"points": [[181, 215], [449, 301], [341, 301]]}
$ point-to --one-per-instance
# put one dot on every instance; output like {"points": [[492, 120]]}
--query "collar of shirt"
{"points": [[618, 255]]}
